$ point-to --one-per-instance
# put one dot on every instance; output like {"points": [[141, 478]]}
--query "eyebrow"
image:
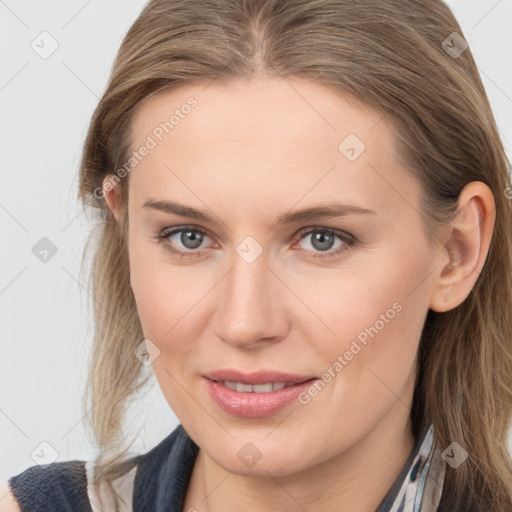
{"points": [[306, 214]]}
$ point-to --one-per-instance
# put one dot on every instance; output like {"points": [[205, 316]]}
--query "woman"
{"points": [[305, 232]]}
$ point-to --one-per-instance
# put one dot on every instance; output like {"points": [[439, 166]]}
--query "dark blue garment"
{"points": [[160, 483], [58, 487], [163, 474]]}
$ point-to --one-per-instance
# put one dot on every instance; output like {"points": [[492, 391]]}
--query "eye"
{"points": [[322, 240], [189, 238]]}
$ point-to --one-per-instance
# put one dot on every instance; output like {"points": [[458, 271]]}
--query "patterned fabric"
{"points": [[159, 481], [420, 488]]}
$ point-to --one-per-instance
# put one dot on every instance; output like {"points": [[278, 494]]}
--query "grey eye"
{"points": [[321, 240], [189, 238]]}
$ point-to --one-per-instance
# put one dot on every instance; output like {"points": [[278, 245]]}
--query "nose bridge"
{"points": [[248, 309]]}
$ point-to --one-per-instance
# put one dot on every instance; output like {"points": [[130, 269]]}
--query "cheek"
{"points": [[370, 361], [154, 290], [168, 298], [165, 299], [372, 318]]}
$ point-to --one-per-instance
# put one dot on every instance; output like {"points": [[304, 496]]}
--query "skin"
{"points": [[247, 153]]}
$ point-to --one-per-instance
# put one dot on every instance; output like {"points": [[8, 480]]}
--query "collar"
{"points": [[420, 484]]}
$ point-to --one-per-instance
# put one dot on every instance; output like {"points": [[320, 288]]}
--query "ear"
{"points": [[465, 248], [113, 200], [111, 195]]}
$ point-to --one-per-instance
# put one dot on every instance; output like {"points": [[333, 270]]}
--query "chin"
{"points": [[249, 461]]}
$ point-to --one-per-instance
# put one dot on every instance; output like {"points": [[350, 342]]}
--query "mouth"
{"points": [[261, 399]]}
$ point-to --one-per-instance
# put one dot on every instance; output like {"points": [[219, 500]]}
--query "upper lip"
{"points": [[259, 377]]}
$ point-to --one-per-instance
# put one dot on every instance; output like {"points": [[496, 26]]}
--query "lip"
{"points": [[255, 405], [259, 377]]}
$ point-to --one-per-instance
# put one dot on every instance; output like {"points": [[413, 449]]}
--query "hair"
{"points": [[387, 55]]}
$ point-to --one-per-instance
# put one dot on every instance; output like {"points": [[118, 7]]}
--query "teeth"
{"points": [[243, 387], [263, 388], [256, 388]]}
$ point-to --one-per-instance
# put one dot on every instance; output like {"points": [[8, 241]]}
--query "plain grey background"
{"points": [[46, 104]]}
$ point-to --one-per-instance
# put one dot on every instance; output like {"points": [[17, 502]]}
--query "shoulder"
{"points": [[55, 486], [7, 501]]}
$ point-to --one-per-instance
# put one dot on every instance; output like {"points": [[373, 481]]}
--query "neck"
{"points": [[359, 478]]}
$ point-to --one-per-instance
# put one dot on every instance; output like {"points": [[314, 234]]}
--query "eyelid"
{"points": [[339, 232]]}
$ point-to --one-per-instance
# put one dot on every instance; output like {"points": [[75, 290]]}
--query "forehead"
{"points": [[287, 111], [267, 136]]}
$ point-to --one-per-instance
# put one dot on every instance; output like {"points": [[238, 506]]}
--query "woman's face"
{"points": [[255, 287]]}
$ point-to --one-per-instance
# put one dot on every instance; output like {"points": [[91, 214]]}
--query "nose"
{"points": [[251, 308]]}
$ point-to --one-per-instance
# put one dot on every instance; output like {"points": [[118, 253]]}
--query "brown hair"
{"points": [[390, 55]]}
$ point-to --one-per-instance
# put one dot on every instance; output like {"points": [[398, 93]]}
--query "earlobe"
{"points": [[465, 249]]}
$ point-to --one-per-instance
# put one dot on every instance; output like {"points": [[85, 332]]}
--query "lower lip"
{"points": [[254, 405]]}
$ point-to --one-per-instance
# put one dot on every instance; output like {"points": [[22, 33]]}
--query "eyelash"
{"points": [[348, 240]]}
